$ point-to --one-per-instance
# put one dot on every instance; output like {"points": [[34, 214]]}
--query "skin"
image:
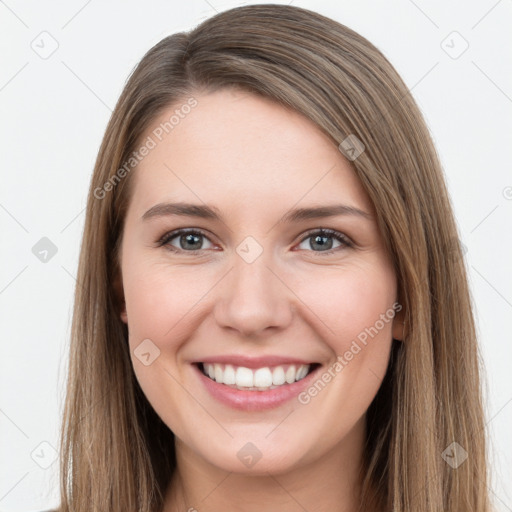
{"points": [[255, 160]]}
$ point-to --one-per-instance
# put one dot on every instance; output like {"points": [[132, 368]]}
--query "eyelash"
{"points": [[340, 237]]}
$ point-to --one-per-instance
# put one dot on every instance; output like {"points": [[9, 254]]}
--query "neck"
{"points": [[329, 483]]}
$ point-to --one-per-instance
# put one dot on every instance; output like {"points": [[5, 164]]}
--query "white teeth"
{"points": [[244, 377], [278, 377], [290, 374], [218, 372], [301, 372], [262, 378], [229, 376], [259, 379]]}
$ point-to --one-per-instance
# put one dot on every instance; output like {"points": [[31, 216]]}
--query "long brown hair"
{"points": [[116, 453]]}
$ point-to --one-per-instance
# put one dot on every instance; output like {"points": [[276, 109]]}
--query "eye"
{"points": [[320, 239], [190, 240]]}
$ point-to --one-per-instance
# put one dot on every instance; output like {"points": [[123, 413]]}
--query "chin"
{"points": [[257, 457]]}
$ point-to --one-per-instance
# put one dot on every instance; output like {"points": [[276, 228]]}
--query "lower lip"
{"points": [[254, 400]]}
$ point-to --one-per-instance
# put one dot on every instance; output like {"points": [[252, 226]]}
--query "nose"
{"points": [[253, 298]]}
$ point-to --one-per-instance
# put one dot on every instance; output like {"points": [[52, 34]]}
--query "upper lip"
{"points": [[252, 362]]}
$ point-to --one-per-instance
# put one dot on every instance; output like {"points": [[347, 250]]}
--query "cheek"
{"points": [[159, 304], [354, 309], [355, 314], [350, 301], [158, 299]]}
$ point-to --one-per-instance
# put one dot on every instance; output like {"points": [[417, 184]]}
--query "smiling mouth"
{"points": [[259, 379]]}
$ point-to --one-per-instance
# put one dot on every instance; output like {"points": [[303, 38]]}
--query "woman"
{"points": [[255, 370]]}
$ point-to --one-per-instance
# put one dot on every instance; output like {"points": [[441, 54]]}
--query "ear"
{"points": [[119, 296]]}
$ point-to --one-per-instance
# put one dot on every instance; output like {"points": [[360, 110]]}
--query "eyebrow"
{"points": [[211, 212]]}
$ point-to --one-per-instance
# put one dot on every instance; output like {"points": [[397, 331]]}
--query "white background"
{"points": [[53, 113]]}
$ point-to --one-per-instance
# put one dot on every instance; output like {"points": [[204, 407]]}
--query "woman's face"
{"points": [[254, 291]]}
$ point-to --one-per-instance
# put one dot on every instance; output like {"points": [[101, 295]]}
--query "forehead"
{"points": [[237, 149]]}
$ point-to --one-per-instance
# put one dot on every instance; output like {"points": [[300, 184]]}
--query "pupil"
{"points": [[189, 238], [322, 244]]}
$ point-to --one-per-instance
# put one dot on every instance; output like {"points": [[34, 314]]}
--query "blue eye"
{"points": [[320, 238], [190, 240]]}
